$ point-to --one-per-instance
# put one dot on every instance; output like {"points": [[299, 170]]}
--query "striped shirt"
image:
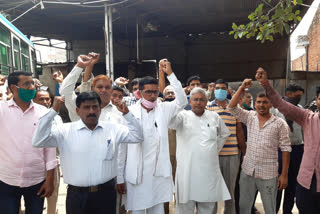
{"points": [[231, 145]]}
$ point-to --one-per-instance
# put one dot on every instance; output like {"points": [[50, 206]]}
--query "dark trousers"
{"points": [[290, 192], [99, 202], [10, 199], [308, 201]]}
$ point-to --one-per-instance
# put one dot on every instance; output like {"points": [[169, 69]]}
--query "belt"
{"points": [[110, 183]]}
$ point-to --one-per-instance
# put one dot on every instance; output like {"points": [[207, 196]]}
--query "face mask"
{"points": [[148, 104], [246, 106], [220, 94], [135, 93], [293, 100], [26, 95], [169, 99]]}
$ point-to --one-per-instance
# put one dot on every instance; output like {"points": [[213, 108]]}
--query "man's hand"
{"points": [[58, 76], [95, 57], [122, 107], [37, 83], [165, 66], [247, 83], [261, 76], [282, 182], [186, 90], [47, 188], [121, 81], [83, 61], [58, 103], [121, 188], [2, 80]]}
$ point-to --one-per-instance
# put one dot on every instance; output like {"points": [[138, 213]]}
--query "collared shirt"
{"points": [[310, 123], [88, 157], [261, 159], [21, 164], [231, 145]]}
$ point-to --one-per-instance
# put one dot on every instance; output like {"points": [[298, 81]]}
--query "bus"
{"points": [[17, 52]]}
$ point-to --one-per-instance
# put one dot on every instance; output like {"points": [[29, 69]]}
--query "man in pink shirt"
{"points": [[24, 170], [308, 188]]}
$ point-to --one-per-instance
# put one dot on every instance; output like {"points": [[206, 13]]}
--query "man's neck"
{"points": [[264, 117], [23, 105], [148, 109], [105, 104], [223, 103]]}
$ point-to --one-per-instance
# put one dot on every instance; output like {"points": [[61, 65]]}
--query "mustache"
{"points": [[91, 115]]}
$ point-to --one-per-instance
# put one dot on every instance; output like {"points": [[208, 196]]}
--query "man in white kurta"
{"points": [[148, 172], [200, 136]]}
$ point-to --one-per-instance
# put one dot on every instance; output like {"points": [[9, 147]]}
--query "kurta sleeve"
{"points": [[222, 133], [173, 108], [176, 121], [47, 135], [67, 89], [131, 134], [287, 109]]}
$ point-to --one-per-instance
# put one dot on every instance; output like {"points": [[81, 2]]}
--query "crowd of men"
{"points": [[133, 152]]}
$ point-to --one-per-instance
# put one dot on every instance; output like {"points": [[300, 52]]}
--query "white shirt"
{"points": [[88, 157], [108, 113], [199, 141], [148, 170]]}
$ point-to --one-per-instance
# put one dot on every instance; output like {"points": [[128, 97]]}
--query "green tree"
{"points": [[265, 24]]}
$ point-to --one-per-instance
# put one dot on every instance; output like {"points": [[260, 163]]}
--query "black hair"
{"points": [[221, 81], [84, 96], [117, 88], [135, 81], [262, 95], [294, 88], [190, 79], [318, 91], [41, 90], [13, 77], [147, 80]]}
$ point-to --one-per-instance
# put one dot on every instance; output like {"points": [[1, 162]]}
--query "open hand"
{"points": [[121, 188], [58, 103], [46, 189], [282, 182], [261, 76], [58, 76]]}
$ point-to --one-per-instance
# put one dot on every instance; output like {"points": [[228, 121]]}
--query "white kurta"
{"points": [[199, 140], [148, 168]]}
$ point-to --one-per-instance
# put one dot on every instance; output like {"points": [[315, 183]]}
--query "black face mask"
{"points": [[169, 99], [293, 100]]}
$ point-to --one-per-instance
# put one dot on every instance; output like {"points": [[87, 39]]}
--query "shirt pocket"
{"points": [[107, 150]]}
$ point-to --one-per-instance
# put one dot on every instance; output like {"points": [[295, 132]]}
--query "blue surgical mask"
{"points": [[220, 94]]}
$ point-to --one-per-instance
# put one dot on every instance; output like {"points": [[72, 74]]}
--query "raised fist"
{"points": [[58, 103]]}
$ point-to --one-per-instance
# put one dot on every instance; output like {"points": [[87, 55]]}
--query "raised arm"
{"points": [[287, 109], [181, 99], [247, 83], [46, 135]]}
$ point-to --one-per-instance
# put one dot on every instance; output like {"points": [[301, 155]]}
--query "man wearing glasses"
{"points": [[148, 173], [24, 171]]}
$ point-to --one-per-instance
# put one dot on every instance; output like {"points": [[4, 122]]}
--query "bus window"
{"points": [[25, 59], [5, 62], [16, 49], [34, 60]]}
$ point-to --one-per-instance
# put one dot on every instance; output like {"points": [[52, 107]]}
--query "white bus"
{"points": [[17, 52]]}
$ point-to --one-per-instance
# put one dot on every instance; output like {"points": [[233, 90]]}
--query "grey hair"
{"points": [[198, 90]]}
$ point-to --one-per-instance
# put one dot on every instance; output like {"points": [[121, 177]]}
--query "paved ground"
{"points": [[63, 192]]}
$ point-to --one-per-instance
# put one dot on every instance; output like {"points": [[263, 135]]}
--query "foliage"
{"points": [[265, 25]]}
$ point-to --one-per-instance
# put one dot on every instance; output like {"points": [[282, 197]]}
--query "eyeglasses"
{"points": [[149, 92], [170, 93]]}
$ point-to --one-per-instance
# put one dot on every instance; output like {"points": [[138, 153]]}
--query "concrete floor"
{"points": [[63, 193]]}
